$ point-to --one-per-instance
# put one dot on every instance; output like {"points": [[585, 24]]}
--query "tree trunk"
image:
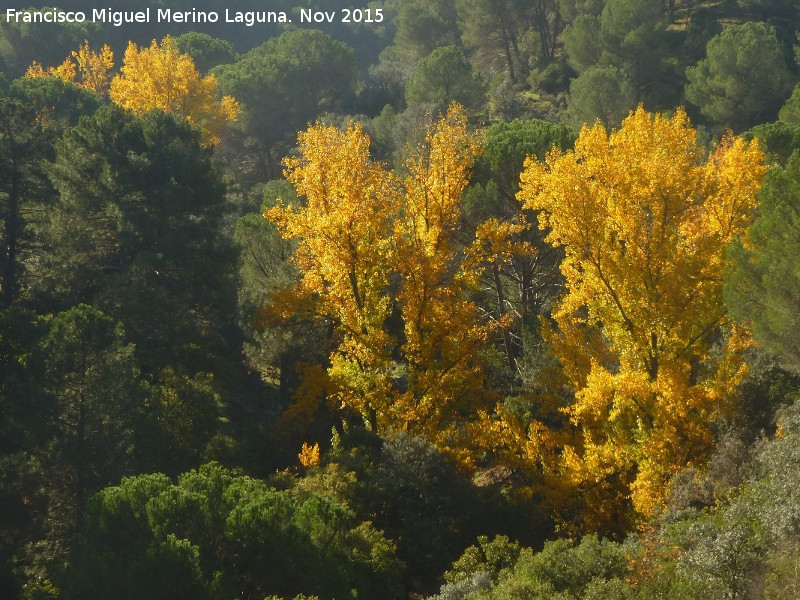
{"points": [[12, 240]]}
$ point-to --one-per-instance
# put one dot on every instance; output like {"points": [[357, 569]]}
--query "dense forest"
{"points": [[480, 299]]}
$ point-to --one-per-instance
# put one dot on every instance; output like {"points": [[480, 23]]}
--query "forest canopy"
{"points": [[447, 300]]}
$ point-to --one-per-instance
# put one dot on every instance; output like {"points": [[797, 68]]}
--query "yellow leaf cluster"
{"points": [[644, 218], [158, 77], [443, 330], [308, 397], [344, 252], [162, 77], [309, 455], [94, 68], [84, 67], [379, 261]]}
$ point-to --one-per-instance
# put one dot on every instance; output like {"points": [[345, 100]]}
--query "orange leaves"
{"points": [[164, 78], [644, 219]]}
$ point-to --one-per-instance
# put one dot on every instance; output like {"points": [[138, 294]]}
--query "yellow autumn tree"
{"points": [[84, 67], [642, 335], [443, 332], [345, 252], [162, 77], [379, 261]]}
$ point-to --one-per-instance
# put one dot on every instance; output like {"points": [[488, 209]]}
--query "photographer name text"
{"points": [[119, 18]]}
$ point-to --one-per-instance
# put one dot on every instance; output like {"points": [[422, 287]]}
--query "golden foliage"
{"points": [[84, 67], [344, 252], [443, 330], [162, 77], [309, 396], [158, 77], [378, 260], [94, 68], [309, 455], [644, 218]]}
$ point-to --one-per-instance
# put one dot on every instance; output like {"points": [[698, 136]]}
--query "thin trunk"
{"points": [[507, 47], [501, 309], [653, 367], [80, 463], [12, 239]]}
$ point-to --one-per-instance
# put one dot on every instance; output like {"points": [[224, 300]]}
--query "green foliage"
{"points": [[610, 589], [90, 371], [509, 144], [571, 9], [781, 461], [136, 232], [505, 36], [216, 534], [627, 26], [761, 6], [430, 513], [634, 36], [790, 112], [264, 255], [583, 42], [444, 76], [703, 25], [743, 545], [287, 82], [782, 580], [188, 410], [781, 13], [206, 51], [33, 112], [24, 192], [489, 557], [423, 26], [602, 94], [778, 140], [628, 35], [394, 68], [23, 507], [554, 78], [743, 80], [762, 282], [57, 104], [768, 388], [22, 43], [418, 499], [562, 571], [465, 588], [276, 353], [90, 374], [725, 549]]}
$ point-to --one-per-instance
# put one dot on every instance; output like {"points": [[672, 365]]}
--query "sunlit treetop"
{"points": [[158, 77], [84, 67], [644, 216], [162, 77], [379, 261]]}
